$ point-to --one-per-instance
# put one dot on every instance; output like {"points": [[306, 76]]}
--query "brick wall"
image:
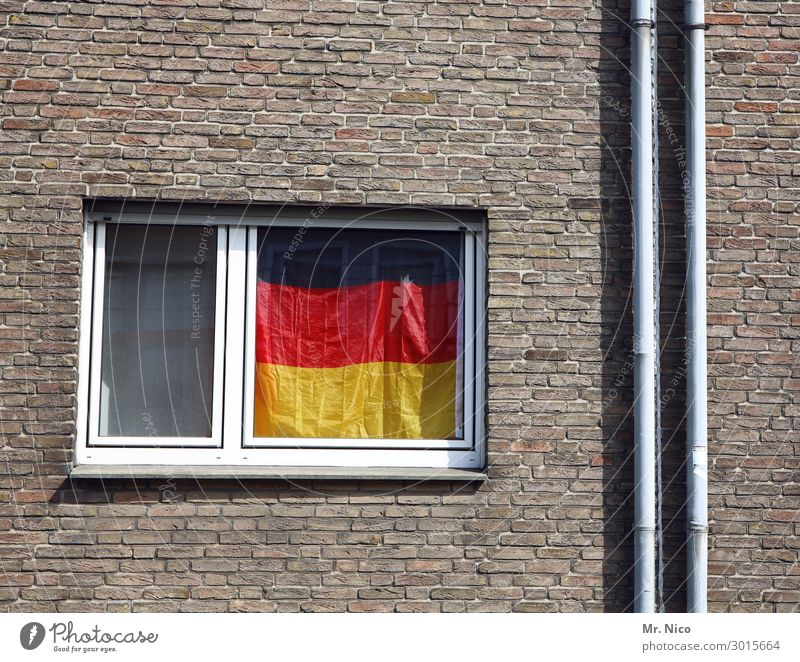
{"points": [[517, 107], [753, 112]]}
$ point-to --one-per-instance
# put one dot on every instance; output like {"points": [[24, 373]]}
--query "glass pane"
{"points": [[158, 331], [359, 334]]}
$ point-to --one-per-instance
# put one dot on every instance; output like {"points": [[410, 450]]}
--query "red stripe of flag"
{"points": [[381, 321]]}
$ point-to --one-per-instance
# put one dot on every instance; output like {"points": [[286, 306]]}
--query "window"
{"points": [[308, 337]]}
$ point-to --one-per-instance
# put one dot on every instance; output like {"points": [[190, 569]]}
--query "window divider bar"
{"points": [[238, 298], [220, 336], [249, 332]]}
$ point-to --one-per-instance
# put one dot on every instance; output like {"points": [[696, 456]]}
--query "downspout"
{"points": [[644, 308], [696, 397], [657, 339]]}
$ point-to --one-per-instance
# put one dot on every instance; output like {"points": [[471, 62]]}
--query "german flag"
{"points": [[358, 334]]}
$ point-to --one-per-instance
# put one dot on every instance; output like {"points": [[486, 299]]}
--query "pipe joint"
{"points": [[642, 13], [694, 12], [643, 348]]}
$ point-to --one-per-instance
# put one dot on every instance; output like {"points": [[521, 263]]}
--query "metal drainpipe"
{"points": [[657, 339], [644, 308], [696, 397]]}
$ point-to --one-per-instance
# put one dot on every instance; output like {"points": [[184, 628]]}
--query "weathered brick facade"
{"points": [[517, 107]]}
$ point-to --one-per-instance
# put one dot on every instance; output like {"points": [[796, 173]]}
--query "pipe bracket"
{"points": [[697, 26], [643, 23]]}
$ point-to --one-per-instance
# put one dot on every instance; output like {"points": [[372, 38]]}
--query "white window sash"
{"points": [[250, 441], [94, 438]]}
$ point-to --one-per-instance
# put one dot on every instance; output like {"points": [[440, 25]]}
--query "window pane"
{"points": [[158, 331], [359, 334]]}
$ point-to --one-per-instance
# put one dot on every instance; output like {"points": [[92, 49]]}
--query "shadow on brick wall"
{"points": [[616, 307], [616, 378]]}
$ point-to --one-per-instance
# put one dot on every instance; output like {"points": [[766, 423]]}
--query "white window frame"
{"points": [[232, 441]]}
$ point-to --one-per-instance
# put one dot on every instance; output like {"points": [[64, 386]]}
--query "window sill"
{"points": [[211, 472]]}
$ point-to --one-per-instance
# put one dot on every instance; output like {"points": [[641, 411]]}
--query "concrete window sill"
{"points": [[201, 472]]}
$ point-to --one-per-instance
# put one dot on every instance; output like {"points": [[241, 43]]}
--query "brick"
{"points": [[413, 97]]}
